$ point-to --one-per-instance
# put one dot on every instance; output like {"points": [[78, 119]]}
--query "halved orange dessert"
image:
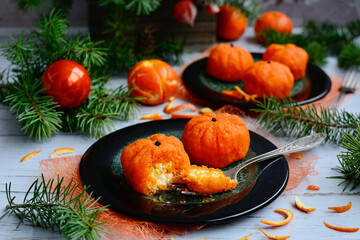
{"points": [[151, 164]]}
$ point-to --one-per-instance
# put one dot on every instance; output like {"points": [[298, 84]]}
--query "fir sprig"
{"points": [[288, 118], [350, 160], [320, 40], [39, 114], [54, 205]]}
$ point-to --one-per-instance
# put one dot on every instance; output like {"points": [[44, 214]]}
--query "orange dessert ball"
{"points": [[151, 164], [216, 140], [230, 23], [154, 80], [292, 56], [228, 63], [268, 78], [207, 180], [276, 20]]}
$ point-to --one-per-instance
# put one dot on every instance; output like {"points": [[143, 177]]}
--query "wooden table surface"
{"points": [[14, 145]]}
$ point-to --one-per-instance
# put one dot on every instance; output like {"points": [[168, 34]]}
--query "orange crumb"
{"points": [[172, 238], [245, 238], [313, 187], [154, 116], [168, 109], [302, 206], [175, 116], [61, 151], [30, 155], [232, 93], [287, 213], [341, 208], [341, 229], [296, 156], [276, 237], [245, 95], [205, 110]]}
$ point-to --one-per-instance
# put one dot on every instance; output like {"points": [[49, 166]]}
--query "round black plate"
{"points": [[314, 86], [100, 168]]}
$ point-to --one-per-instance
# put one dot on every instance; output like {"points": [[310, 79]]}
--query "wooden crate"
{"points": [[198, 37]]}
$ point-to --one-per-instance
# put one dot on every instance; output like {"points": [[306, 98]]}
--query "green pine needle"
{"points": [[350, 160], [287, 118], [51, 204]]}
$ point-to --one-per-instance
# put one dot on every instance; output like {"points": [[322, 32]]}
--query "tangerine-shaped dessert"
{"points": [[291, 55], [151, 164], [267, 78], [228, 63], [216, 140], [206, 180], [154, 80]]}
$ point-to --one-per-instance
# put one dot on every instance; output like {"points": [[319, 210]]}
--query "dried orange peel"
{"points": [[287, 213], [61, 151], [30, 155], [168, 109], [313, 187], [276, 237], [154, 116], [301, 206], [245, 238], [246, 96], [341, 229], [176, 116], [341, 208]]}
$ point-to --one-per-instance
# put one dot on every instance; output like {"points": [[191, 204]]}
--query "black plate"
{"points": [[101, 169], [314, 86]]}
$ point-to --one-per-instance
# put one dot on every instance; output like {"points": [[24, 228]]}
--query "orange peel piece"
{"points": [[154, 116], [341, 208], [313, 187], [176, 116], [61, 151], [341, 229], [168, 109], [301, 206], [276, 237], [231, 93], [287, 213], [30, 155], [246, 96], [245, 238]]}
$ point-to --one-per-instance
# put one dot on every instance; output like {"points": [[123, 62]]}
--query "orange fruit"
{"points": [[216, 140], [228, 63], [276, 20], [268, 78], [151, 164], [230, 23], [153, 80], [290, 55]]}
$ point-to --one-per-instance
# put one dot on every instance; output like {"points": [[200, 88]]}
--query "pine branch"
{"points": [[39, 114], [288, 118], [104, 106], [58, 207], [36, 112], [350, 160]]}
